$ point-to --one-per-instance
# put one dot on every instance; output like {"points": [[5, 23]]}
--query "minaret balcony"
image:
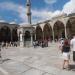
{"points": [[28, 13], [28, 4]]}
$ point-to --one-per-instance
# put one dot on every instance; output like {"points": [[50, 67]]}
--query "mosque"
{"points": [[58, 27]]}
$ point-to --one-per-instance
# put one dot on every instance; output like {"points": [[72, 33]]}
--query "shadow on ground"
{"points": [[4, 60], [72, 67]]}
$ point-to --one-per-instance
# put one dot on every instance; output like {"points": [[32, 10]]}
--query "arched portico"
{"points": [[39, 33], [14, 35], [59, 30], [70, 27], [47, 32], [5, 34]]}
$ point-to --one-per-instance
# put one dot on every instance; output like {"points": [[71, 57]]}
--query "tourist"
{"points": [[9, 44], [0, 49], [3, 44], [66, 54], [61, 42], [43, 44], [72, 43], [6, 45], [34, 44]]}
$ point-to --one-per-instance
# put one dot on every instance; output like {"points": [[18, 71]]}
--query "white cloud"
{"points": [[69, 7], [50, 1], [44, 15], [57, 13], [9, 6], [40, 15], [15, 8]]}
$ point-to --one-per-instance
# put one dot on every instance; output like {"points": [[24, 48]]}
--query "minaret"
{"points": [[29, 11]]}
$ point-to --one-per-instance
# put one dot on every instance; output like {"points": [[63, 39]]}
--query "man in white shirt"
{"points": [[61, 42], [72, 43]]}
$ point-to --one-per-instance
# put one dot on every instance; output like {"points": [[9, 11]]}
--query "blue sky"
{"points": [[15, 10]]}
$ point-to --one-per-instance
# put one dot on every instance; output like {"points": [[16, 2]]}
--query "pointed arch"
{"points": [[14, 35], [27, 36], [70, 27], [47, 31], [59, 30], [39, 33], [5, 34]]}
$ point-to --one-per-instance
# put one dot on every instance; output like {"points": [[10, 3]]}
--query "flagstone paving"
{"points": [[33, 61]]}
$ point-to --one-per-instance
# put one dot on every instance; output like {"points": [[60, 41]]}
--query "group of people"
{"points": [[66, 46], [8, 44], [40, 43]]}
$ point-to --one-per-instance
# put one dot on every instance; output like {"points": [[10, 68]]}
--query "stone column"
{"points": [[0, 55], [18, 37], [21, 40], [65, 32], [0, 50], [53, 34], [35, 36], [43, 35], [11, 35], [31, 39]]}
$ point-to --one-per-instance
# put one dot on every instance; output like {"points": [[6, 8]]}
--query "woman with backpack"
{"points": [[66, 54]]}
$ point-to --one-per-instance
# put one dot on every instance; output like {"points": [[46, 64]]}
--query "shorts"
{"points": [[66, 56]]}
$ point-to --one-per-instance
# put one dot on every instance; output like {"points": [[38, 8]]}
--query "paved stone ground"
{"points": [[33, 61]]}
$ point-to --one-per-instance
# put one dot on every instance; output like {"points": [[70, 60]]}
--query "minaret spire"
{"points": [[29, 11], [28, 1]]}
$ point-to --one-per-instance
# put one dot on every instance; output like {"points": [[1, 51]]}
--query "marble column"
{"points": [[1, 61], [35, 36], [43, 35], [66, 33], [53, 34], [31, 39], [11, 35], [18, 37], [21, 40]]}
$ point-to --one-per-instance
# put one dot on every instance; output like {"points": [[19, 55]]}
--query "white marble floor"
{"points": [[32, 61]]}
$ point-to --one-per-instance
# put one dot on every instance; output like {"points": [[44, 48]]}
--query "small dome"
{"points": [[2, 21], [25, 25], [12, 22]]}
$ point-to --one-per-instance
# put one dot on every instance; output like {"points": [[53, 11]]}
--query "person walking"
{"points": [[66, 54], [72, 43]]}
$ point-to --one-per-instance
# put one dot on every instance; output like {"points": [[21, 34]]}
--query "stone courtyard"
{"points": [[33, 61]]}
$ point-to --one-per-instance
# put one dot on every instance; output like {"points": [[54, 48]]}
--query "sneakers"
{"points": [[63, 68], [66, 68]]}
